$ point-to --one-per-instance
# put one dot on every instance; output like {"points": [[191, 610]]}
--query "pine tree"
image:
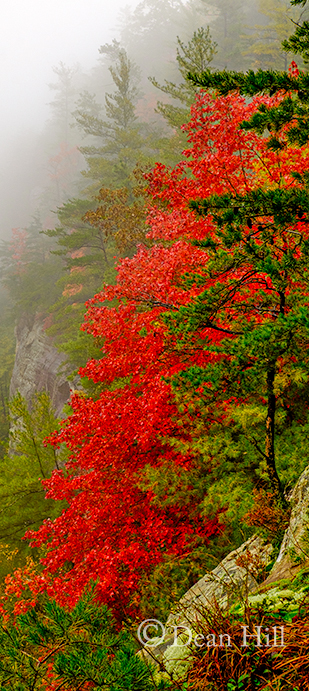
{"points": [[266, 50], [29, 272], [62, 104], [49, 647], [194, 56], [274, 217], [120, 139], [227, 23], [87, 256]]}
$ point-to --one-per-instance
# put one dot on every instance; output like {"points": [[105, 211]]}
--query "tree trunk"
{"points": [[270, 436]]}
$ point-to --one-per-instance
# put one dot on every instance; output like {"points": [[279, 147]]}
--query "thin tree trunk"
{"points": [[270, 436]]}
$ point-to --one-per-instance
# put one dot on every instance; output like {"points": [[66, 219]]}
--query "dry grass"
{"points": [[237, 667]]}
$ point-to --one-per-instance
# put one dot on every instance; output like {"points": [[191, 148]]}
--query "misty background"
{"points": [[35, 36], [39, 38]]}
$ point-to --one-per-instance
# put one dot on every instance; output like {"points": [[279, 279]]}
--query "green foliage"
{"points": [[193, 56], [171, 579], [23, 502], [243, 374], [87, 255], [228, 27], [298, 43], [250, 83], [87, 251], [121, 139], [266, 49], [7, 357], [29, 428], [70, 649], [232, 212], [29, 271], [65, 91], [284, 601], [119, 106]]}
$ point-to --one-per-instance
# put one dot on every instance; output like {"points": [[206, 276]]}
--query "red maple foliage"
{"points": [[112, 532]]}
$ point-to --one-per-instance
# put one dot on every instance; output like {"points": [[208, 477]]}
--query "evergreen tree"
{"points": [[228, 28], [149, 32], [194, 56], [87, 253], [122, 140], [29, 272], [266, 50], [62, 104], [49, 647], [274, 217]]}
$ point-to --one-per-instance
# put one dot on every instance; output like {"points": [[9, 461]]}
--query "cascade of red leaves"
{"points": [[112, 532]]}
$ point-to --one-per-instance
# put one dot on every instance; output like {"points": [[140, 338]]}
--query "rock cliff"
{"points": [[37, 364]]}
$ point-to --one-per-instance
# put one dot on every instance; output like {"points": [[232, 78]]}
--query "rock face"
{"points": [[231, 580], [37, 364], [293, 552]]}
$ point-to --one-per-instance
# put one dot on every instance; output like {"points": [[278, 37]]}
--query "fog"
{"points": [[35, 36], [44, 41]]}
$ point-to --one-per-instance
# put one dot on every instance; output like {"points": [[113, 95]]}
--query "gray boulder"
{"points": [[231, 580]]}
